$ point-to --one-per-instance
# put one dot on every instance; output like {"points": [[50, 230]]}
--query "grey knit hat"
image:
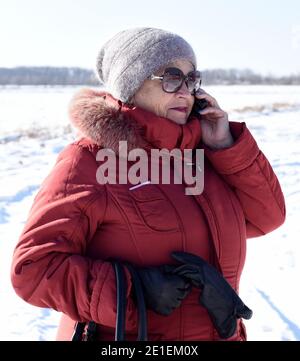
{"points": [[127, 59]]}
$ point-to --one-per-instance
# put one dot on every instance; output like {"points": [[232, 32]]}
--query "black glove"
{"points": [[223, 304], [163, 291]]}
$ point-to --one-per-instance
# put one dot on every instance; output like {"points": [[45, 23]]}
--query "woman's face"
{"points": [[174, 106]]}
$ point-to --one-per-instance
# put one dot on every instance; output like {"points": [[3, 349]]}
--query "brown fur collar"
{"points": [[97, 116]]}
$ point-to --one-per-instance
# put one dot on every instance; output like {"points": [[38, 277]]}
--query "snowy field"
{"points": [[34, 128]]}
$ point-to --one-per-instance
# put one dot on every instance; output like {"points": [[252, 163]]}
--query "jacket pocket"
{"points": [[154, 209]]}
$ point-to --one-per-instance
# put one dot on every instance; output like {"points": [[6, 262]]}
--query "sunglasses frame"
{"points": [[184, 78]]}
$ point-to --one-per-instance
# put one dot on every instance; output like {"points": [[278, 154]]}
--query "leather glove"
{"points": [[223, 304], [163, 291]]}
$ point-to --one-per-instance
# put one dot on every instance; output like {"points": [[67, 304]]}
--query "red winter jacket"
{"points": [[76, 224]]}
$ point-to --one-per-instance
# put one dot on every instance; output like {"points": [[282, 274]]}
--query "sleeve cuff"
{"points": [[237, 157]]}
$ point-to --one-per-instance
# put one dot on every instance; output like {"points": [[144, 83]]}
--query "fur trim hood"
{"points": [[97, 116]]}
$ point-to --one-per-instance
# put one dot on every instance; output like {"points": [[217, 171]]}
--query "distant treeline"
{"points": [[246, 76], [79, 76], [47, 76]]}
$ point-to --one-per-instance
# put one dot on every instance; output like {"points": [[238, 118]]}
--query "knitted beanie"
{"points": [[132, 55]]}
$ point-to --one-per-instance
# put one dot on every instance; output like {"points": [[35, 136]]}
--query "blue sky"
{"points": [[262, 35]]}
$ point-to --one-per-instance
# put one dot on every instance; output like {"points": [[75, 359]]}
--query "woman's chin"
{"points": [[177, 117]]}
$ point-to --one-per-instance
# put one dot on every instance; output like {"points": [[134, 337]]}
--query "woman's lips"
{"points": [[180, 109]]}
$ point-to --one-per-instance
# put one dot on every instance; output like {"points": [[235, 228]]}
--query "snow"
{"points": [[34, 128]]}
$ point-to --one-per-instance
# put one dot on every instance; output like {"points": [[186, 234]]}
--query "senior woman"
{"points": [[189, 250]]}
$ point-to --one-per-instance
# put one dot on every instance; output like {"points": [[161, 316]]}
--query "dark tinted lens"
{"points": [[172, 79], [193, 80]]}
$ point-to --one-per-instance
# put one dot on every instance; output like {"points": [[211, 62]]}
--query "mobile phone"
{"points": [[199, 104]]}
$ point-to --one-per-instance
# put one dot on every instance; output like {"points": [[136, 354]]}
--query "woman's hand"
{"points": [[163, 291], [214, 123]]}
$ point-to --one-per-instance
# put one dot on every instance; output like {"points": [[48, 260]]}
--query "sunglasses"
{"points": [[173, 78]]}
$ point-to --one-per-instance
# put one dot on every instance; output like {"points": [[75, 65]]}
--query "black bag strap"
{"points": [[121, 302], [121, 286], [79, 331], [141, 306]]}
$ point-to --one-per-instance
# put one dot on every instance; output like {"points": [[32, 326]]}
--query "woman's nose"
{"points": [[183, 90]]}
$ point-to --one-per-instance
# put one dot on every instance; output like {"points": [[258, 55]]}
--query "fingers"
{"points": [[181, 297], [201, 94], [210, 110], [191, 274], [185, 292], [187, 271], [184, 268], [176, 303], [182, 293], [179, 282]]}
